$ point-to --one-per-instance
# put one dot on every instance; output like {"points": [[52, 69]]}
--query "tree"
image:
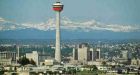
{"points": [[24, 61], [32, 62], [128, 70], [43, 64], [104, 63], [94, 68]]}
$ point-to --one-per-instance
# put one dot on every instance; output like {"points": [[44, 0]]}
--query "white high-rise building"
{"points": [[17, 56], [75, 54], [94, 54], [34, 55], [98, 53], [91, 55]]}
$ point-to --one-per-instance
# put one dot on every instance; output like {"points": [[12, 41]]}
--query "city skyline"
{"points": [[100, 37]]}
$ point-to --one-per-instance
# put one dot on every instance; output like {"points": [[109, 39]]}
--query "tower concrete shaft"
{"points": [[58, 7], [57, 50]]}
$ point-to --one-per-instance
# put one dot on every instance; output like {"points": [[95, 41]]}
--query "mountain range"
{"points": [[87, 29]]}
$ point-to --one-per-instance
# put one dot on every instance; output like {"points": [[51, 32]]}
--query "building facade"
{"points": [[7, 57], [83, 53]]}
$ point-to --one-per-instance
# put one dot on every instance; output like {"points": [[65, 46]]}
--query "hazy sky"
{"points": [[106, 11]]}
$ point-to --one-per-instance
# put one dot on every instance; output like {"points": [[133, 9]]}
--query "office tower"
{"points": [[83, 52], [17, 56], [98, 53], [75, 54], [94, 54]]}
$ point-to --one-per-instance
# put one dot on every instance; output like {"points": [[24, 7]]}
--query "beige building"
{"points": [[83, 52], [125, 54], [7, 57], [5, 61], [135, 62], [48, 62]]}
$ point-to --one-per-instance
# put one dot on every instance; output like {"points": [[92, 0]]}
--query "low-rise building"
{"points": [[48, 62], [7, 57], [5, 61]]}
